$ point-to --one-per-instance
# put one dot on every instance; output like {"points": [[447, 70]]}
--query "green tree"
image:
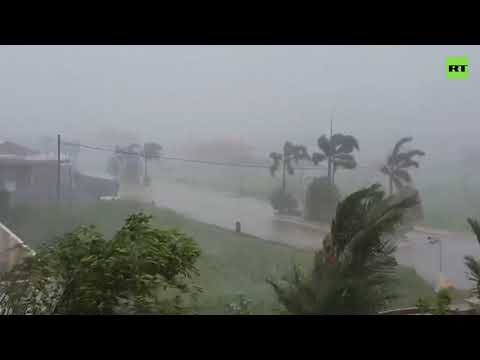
{"points": [[141, 270], [396, 168], [473, 264], [284, 202], [354, 271], [321, 200], [291, 153], [337, 150]]}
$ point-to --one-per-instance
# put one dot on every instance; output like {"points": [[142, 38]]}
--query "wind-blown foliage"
{"points": [[354, 272], [291, 153], [321, 200], [473, 264], [398, 163], [284, 202], [151, 150], [337, 150], [141, 270]]}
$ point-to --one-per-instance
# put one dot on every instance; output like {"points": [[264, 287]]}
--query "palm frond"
{"points": [[347, 144], [399, 144], [344, 157], [300, 153], [277, 158], [288, 148], [473, 266], [408, 163], [318, 158], [345, 164], [324, 145], [346, 161], [409, 155], [475, 225], [354, 271]]}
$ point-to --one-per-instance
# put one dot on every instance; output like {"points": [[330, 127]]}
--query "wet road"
{"points": [[256, 218]]}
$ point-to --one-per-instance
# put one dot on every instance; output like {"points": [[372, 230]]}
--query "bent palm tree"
{"points": [[337, 151], [291, 153], [398, 163], [151, 150], [355, 269], [473, 264]]}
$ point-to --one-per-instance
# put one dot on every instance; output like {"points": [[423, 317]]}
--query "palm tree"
{"points": [[354, 271], [398, 163], [337, 150], [291, 153], [126, 163], [151, 150], [473, 264]]}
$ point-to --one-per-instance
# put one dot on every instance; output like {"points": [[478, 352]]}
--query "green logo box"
{"points": [[457, 67]]}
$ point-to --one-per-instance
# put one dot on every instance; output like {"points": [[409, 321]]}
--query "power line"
{"points": [[206, 162]]}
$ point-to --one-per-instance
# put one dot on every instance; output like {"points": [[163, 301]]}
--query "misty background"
{"points": [[262, 95]]}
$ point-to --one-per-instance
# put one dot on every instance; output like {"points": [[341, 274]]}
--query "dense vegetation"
{"points": [[321, 200], [232, 267], [354, 271], [140, 270]]}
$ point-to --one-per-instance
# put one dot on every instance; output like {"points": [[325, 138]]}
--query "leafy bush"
{"points": [[354, 271], [321, 200], [415, 214], [440, 305], [242, 306], [283, 202], [140, 270]]}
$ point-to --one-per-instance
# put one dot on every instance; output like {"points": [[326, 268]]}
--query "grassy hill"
{"points": [[231, 264]]}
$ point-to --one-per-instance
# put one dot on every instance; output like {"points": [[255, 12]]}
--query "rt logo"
{"points": [[457, 67]]}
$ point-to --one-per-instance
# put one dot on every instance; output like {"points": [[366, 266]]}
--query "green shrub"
{"points": [[439, 306], [140, 270], [321, 200], [283, 202]]}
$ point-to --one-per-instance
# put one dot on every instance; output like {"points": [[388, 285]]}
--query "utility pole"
{"points": [[58, 170], [283, 170], [145, 169], [330, 160]]}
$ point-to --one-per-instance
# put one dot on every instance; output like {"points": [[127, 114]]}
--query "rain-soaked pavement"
{"points": [[257, 218]]}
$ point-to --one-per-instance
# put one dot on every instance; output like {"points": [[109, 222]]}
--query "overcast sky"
{"points": [[262, 94]]}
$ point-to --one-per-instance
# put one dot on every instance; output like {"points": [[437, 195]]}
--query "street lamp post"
{"points": [[439, 242]]}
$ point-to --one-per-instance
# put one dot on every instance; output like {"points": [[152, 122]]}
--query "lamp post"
{"points": [[439, 242]]}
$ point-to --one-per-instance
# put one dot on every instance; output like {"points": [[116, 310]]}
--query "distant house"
{"points": [[30, 177], [90, 188]]}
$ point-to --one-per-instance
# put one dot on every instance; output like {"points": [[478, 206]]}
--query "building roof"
{"points": [[8, 148], [28, 162]]}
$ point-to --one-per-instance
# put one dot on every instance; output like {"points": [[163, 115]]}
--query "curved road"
{"points": [[256, 217]]}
